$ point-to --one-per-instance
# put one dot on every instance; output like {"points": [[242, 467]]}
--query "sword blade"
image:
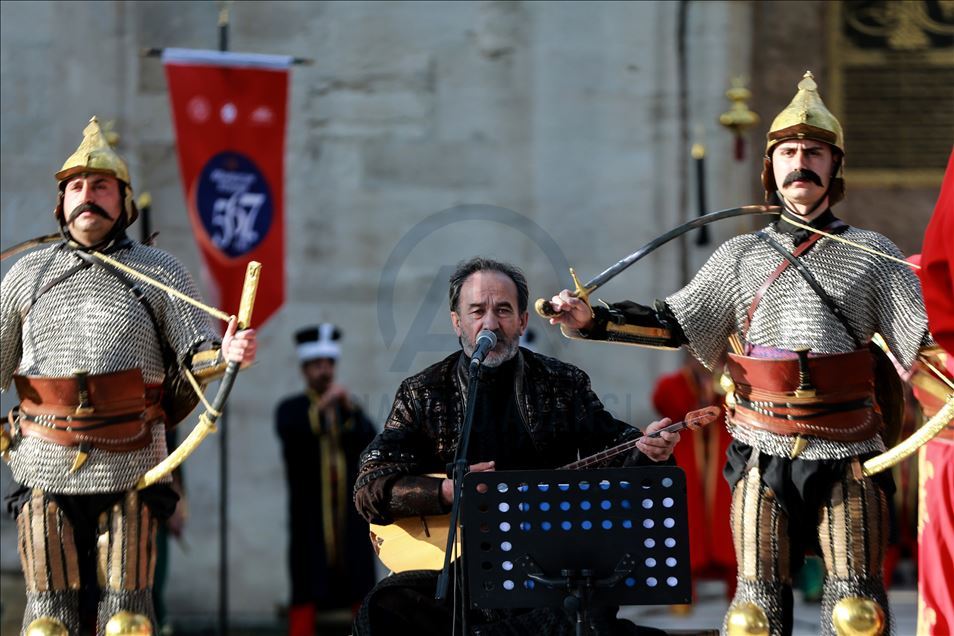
{"points": [[601, 279]]}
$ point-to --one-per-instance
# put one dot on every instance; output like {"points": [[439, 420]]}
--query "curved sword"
{"points": [[583, 292]]}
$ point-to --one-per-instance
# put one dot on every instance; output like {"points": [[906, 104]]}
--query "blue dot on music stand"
{"points": [[545, 506], [667, 482], [543, 487], [564, 505], [563, 487], [523, 506], [672, 581], [647, 503], [503, 506], [626, 504], [668, 502], [566, 525], [506, 546], [605, 504], [669, 522], [670, 542], [545, 526], [585, 505], [523, 488], [607, 524], [650, 543], [529, 584], [648, 523], [671, 562], [651, 581], [604, 485], [504, 526], [584, 485], [508, 584], [627, 524], [525, 526], [502, 487], [650, 562], [586, 525], [624, 485], [507, 565], [630, 582]]}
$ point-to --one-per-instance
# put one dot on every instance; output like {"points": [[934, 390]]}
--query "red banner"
{"points": [[229, 111]]}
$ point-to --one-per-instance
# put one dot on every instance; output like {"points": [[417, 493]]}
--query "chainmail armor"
{"points": [[92, 321], [59, 605], [875, 294]]}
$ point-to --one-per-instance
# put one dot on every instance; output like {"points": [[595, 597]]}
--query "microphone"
{"points": [[486, 340]]}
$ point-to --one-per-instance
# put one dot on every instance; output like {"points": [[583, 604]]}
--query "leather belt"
{"points": [[109, 411], [826, 396]]}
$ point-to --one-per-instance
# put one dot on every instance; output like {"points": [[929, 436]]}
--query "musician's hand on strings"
{"points": [[659, 448], [447, 486], [573, 312]]}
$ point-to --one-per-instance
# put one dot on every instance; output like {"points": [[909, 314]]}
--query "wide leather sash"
{"points": [[109, 411], [828, 396]]}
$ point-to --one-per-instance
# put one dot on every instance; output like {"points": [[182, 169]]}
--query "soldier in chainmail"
{"points": [[798, 310], [97, 359]]}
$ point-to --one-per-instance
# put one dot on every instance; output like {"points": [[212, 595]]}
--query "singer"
{"points": [[532, 412]]}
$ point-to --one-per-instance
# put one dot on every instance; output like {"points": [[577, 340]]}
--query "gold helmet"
{"points": [[96, 155], [806, 117]]}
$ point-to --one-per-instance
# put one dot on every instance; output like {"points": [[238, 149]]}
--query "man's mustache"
{"points": [[88, 207], [802, 174]]}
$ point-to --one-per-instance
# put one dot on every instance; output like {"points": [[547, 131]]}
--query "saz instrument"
{"points": [[417, 543]]}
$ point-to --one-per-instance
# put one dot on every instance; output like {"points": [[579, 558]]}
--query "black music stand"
{"points": [[576, 538]]}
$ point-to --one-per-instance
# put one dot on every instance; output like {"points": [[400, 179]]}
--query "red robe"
{"points": [[936, 523], [701, 455], [937, 264]]}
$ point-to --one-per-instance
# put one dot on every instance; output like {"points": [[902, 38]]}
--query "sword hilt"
{"points": [[545, 307]]}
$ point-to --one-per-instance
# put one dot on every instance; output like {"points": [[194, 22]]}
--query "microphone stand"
{"points": [[460, 468]]}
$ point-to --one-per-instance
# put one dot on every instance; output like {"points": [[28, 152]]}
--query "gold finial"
{"points": [[739, 116], [144, 200]]}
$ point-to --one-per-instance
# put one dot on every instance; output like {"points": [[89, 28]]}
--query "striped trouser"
{"points": [[852, 533], [125, 558]]}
